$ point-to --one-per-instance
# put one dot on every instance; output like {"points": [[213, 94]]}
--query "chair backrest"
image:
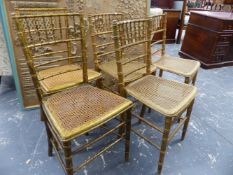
{"points": [[159, 25], [127, 35], [101, 36], [52, 40]]}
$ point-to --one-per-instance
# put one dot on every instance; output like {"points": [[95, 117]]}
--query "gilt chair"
{"points": [[179, 66], [103, 49], [57, 66], [78, 109], [169, 98], [57, 77]]}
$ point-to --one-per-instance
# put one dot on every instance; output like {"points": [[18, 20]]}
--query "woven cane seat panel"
{"points": [[183, 67], [165, 96], [75, 111], [63, 77], [110, 68]]}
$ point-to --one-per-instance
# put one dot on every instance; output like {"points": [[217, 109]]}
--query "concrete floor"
{"points": [[207, 149]]}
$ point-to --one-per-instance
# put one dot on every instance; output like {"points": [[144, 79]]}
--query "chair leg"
{"points": [[49, 136], [99, 83], [42, 115], [142, 113], [122, 128], [167, 127], [188, 114], [178, 119], [187, 80], [149, 110], [68, 157], [194, 79], [160, 73], [127, 135]]}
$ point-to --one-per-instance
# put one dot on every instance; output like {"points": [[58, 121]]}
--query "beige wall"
{"points": [[5, 68]]}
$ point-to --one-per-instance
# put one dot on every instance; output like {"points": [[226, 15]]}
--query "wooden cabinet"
{"points": [[209, 39], [166, 4], [173, 16], [172, 21], [228, 2]]}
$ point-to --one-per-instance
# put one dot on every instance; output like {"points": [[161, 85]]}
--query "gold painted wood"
{"points": [[103, 49], [55, 70], [26, 87], [169, 98], [182, 67], [74, 110], [80, 110]]}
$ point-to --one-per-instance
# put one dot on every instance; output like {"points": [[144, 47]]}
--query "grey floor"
{"points": [[207, 149]]}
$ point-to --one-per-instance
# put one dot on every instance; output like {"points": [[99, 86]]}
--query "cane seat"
{"points": [[179, 66], [59, 78], [167, 97], [75, 111], [110, 68], [176, 65]]}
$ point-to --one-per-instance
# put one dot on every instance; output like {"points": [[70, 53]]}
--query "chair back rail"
{"points": [[101, 36], [159, 27], [132, 34]]}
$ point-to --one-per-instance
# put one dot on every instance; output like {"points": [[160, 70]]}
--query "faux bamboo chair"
{"points": [[182, 67], [103, 48], [63, 69], [74, 111], [56, 64], [167, 97]]}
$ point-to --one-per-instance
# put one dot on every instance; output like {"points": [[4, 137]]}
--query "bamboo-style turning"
{"points": [[101, 36], [103, 48], [51, 42], [55, 50], [169, 98]]}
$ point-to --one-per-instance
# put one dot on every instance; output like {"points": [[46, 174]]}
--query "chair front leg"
{"points": [[42, 115], [188, 115], [160, 73], [99, 83], [187, 80], [167, 127], [68, 157], [194, 79], [142, 113], [49, 137], [49, 134]]}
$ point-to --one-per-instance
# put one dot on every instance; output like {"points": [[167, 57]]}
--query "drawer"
{"points": [[220, 50], [225, 38]]}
